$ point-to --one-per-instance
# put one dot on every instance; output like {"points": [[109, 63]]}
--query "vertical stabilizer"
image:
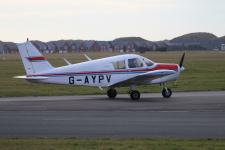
{"points": [[33, 60]]}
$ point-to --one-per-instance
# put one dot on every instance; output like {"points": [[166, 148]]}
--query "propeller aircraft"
{"points": [[124, 70]]}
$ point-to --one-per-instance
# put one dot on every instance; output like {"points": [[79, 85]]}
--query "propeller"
{"points": [[181, 66], [182, 60]]}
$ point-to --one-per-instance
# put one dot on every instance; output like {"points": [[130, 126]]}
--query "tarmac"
{"points": [[184, 115]]}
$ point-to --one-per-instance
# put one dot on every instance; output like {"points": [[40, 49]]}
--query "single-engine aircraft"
{"points": [[110, 72]]}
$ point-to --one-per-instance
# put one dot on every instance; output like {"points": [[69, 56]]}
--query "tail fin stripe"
{"points": [[36, 58]]}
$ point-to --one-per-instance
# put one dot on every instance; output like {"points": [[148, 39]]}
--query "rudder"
{"points": [[33, 61]]}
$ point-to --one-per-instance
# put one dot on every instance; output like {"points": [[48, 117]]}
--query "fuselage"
{"points": [[108, 71]]}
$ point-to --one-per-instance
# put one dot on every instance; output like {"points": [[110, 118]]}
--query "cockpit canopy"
{"points": [[132, 62], [148, 62]]}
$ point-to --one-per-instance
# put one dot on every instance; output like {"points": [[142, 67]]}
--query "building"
{"points": [[223, 47]]}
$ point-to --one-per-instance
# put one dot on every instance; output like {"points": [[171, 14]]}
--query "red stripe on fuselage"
{"points": [[157, 67], [166, 66], [36, 58]]}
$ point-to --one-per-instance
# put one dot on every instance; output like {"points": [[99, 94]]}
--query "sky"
{"points": [[153, 20]]}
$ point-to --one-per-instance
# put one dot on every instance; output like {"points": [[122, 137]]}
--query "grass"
{"points": [[111, 144], [205, 71]]}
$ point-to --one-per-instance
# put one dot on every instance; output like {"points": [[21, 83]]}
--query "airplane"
{"points": [[123, 70]]}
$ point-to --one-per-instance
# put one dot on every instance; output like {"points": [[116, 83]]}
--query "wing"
{"points": [[141, 78]]}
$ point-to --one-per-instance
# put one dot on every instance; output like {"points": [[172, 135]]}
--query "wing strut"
{"points": [[87, 57]]}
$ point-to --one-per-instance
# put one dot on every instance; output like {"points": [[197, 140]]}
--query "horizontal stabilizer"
{"points": [[67, 62], [31, 78]]}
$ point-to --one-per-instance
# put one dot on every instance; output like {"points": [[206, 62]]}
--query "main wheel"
{"points": [[111, 93], [166, 92], [135, 95]]}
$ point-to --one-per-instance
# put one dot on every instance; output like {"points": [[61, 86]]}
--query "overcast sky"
{"points": [[108, 19]]}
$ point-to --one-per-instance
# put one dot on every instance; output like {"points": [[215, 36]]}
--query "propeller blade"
{"points": [[182, 60]]}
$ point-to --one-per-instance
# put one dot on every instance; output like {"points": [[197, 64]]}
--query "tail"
{"points": [[33, 60]]}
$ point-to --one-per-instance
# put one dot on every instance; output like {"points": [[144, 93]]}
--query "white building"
{"points": [[223, 47]]}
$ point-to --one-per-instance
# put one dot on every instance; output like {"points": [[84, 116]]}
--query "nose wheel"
{"points": [[166, 92], [135, 95], [112, 93]]}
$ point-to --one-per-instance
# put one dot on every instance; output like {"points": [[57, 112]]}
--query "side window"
{"points": [[119, 64], [148, 62], [135, 63]]}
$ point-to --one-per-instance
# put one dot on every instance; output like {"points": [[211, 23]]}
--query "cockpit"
{"points": [[132, 62], [135, 63]]}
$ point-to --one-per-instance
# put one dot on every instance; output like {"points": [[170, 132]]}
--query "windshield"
{"points": [[148, 62]]}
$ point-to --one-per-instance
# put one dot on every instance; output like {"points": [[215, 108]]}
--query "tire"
{"points": [[166, 93], [112, 93], [135, 95]]}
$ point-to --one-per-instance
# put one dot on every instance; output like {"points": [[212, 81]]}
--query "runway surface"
{"points": [[185, 115]]}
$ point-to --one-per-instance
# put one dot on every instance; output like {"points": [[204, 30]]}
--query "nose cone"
{"points": [[174, 67], [182, 69]]}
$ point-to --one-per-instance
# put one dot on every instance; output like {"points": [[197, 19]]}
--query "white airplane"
{"points": [[110, 72]]}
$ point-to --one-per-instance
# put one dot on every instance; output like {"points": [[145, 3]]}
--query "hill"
{"points": [[133, 43], [129, 39], [198, 36], [197, 41]]}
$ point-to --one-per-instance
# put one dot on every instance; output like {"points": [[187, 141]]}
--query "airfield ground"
{"points": [[188, 115], [111, 144], [187, 121], [205, 71]]}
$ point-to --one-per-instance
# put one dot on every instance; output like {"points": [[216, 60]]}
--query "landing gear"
{"points": [[135, 95], [166, 92], [111, 93]]}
